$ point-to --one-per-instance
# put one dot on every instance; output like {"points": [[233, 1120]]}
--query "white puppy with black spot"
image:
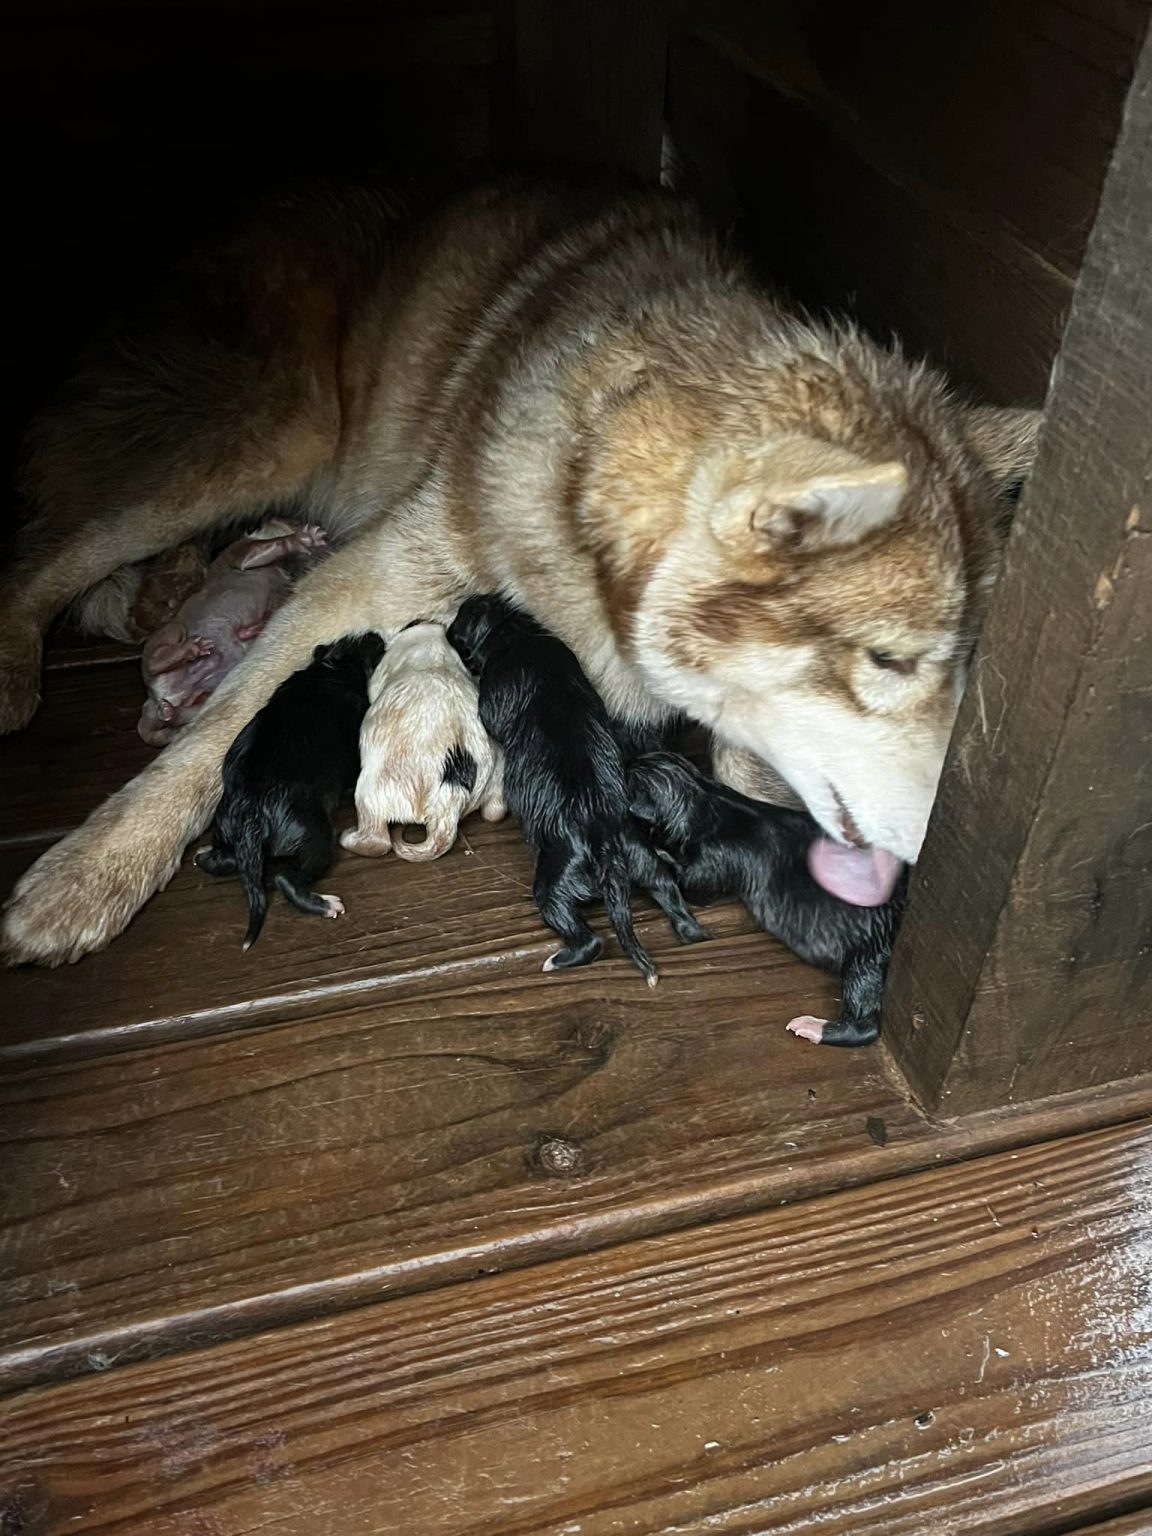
{"points": [[424, 756]]}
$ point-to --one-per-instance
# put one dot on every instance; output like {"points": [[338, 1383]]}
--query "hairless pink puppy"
{"points": [[188, 658]]}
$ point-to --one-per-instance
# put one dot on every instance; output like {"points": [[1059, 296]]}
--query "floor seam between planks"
{"points": [[334, 1296]]}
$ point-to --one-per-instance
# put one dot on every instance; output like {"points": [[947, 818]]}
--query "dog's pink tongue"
{"points": [[864, 876]]}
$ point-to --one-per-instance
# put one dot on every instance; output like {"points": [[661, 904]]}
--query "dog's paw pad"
{"points": [[808, 1028]]}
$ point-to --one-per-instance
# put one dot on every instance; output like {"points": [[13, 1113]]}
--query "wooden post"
{"points": [[588, 85], [1025, 964]]}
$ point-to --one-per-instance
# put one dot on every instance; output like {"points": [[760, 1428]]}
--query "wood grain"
{"points": [[81, 746], [934, 173], [1006, 110], [178, 1190], [840, 233], [1138, 1523], [1025, 964], [179, 971], [966, 1351], [586, 82]]}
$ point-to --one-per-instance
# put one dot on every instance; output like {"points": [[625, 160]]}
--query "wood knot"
{"points": [[558, 1156], [593, 1040]]}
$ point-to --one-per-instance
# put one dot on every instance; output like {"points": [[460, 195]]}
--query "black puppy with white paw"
{"points": [[721, 843], [565, 779], [284, 777]]}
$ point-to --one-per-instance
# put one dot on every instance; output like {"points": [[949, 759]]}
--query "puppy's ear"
{"points": [[797, 494], [1004, 440]]}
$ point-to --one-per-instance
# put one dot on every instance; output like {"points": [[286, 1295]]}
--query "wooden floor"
{"points": [[377, 1229]]}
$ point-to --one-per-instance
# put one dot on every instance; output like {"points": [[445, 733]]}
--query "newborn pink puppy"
{"points": [[188, 658]]}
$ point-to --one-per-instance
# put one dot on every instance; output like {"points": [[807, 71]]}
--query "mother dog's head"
{"points": [[819, 599]]}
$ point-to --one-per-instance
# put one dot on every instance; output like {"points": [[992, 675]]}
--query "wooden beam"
{"points": [[1025, 965], [587, 91]]}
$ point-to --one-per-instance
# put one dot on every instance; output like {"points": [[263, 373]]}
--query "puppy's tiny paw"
{"points": [[312, 536], [334, 904], [808, 1028], [370, 846]]}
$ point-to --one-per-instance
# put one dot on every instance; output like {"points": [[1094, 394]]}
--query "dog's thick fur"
{"points": [[285, 775], [772, 525], [565, 779], [424, 756], [721, 843]]}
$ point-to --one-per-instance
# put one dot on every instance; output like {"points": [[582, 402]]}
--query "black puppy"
{"points": [[284, 777], [721, 843], [564, 778]]}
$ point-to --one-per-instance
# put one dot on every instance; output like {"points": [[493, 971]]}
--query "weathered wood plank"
{"points": [[1025, 964], [1004, 110], [897, 254], [587, 85], [966, 1351], [81, 746], [408, 929], [1138, 1523], [202, 1185]]}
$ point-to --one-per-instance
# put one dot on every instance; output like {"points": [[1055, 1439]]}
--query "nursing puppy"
{"points": [[187, 658], [770, 524], [425, 758], [284, 777], [564, 777], [723, 844]]}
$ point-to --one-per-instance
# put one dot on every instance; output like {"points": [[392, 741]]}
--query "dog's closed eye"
{"points": [[888, 662]]}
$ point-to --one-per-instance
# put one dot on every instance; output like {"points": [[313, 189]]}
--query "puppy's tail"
{"points": [[441, 823], [249, 851], [617, 891]]}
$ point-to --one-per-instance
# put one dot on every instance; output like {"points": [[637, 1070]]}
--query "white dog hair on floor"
{"points": [[424, 756]]}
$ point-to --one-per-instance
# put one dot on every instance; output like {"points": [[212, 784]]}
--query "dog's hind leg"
{"points": [[557, 890], [160, 438], [218, 860], [371, 836], [314, 903], [657, 881], [87, 887], [863, 983]]}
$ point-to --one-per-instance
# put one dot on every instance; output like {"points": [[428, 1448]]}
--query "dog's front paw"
{"points": [[80, 894]]}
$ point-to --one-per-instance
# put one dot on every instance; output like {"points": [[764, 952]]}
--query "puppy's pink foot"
{"points": [[310, 537], [333, 903], [550, 963], [808, 1028]]}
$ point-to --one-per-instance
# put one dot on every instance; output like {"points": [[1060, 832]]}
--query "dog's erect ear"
{"points": [[1004, 440], [798, 494]]}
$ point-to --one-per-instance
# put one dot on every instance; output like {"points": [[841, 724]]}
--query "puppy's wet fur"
{"points": [[284, 777], [565, 779], [721, 843]]}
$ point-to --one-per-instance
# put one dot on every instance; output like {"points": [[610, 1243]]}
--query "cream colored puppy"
{"points": [[424, 756]]}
